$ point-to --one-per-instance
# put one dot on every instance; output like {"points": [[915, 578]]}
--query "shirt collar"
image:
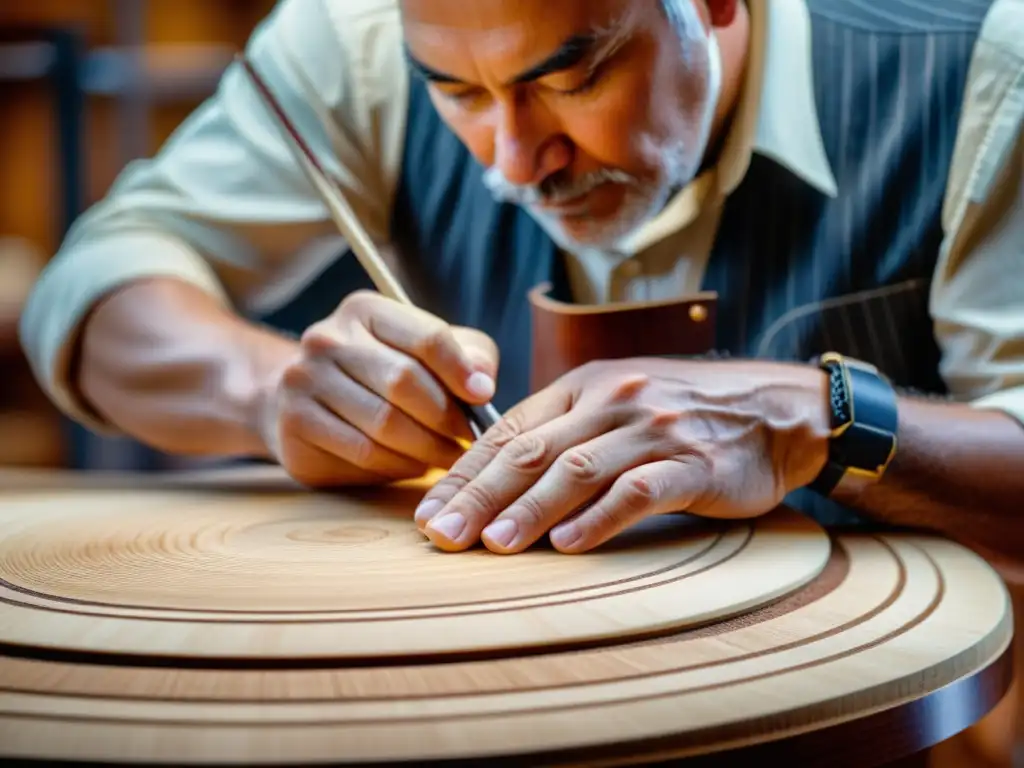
{"points": [[775, 116], [788, 130]]}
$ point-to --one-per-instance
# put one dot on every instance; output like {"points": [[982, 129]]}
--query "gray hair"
{"points": [[682, 15]]}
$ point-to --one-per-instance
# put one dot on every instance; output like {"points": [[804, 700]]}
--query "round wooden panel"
{"points": [[282, 573], [891, 620]]}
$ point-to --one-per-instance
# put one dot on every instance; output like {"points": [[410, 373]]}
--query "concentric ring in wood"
{"points": [[891, 620], [288, 574]]}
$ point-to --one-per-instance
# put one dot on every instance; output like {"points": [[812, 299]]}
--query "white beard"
{"points": [[677, 157]]}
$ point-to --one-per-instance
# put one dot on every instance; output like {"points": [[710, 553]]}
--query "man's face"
{"points": [[588, 112]]}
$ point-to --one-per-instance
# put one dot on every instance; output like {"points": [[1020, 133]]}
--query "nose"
{"points": [[527, 147]]}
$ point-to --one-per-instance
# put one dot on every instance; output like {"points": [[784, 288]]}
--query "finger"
{"points": [[314, 467], [432, 342], [378, 419], [671, 485], [536, 410], [393, 376], [508, 476], [582, 472], [480, 348], [310, 421]]}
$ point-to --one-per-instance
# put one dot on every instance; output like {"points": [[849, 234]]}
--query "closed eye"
{"points": [[591, 82]]}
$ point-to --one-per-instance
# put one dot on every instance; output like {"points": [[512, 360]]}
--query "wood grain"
{"points": [[896, 642], [297, 575]]}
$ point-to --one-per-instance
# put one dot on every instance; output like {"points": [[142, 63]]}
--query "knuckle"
{"points": [[526, 452], [481, 498], [580, 465], [507, 429], [436, 343], [638, 494], [660, 422], [358, 300], [627, 387], [454, 481], [318, 340], [606, 518], [469, 466], [400, 381], [529, 512], [297, 377]]}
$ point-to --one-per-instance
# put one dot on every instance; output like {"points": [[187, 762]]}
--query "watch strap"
{"points": [[864, 422]]}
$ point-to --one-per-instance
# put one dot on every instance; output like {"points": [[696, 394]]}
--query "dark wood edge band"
{"points": [[883, 737], [870, 741]]}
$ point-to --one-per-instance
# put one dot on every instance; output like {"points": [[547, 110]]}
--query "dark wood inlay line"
{"points": [[298, 620], [315, 617], [640, 675], [467, 716]]}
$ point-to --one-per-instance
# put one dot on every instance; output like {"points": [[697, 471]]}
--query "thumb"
{"points": [[483, 355]]}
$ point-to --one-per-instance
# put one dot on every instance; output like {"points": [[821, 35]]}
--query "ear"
{"points": [[722, 12]]}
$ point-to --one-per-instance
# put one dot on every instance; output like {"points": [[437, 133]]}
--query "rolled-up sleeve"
{"points": [[223, 205], [977, 298]]}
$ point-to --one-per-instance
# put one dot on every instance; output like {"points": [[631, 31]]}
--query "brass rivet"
{"points": [[698, 313]]}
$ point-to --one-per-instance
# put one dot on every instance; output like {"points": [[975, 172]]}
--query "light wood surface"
{"points": [[875, 625], [298, 575]]}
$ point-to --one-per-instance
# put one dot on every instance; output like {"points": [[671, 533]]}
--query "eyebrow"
{"points": [[569, 54]]}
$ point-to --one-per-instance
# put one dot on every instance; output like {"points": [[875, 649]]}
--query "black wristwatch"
{"points": [[865, 423]]}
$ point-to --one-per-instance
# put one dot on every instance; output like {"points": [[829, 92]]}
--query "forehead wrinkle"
{"points": [[608, 38], [437, 36], [441, 35]]}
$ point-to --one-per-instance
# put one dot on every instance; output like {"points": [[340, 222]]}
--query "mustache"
{"points": [[557, 188]]}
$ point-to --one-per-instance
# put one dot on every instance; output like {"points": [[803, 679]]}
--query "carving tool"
{"points": [[480, 417]]}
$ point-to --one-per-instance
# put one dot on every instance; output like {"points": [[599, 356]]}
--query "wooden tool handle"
{"points": [[343, 215], [480, 417]]}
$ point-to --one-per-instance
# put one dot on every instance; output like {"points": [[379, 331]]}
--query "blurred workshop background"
{"points": [[85, 87]]}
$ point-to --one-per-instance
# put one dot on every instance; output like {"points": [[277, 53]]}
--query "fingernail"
{"points": [[481, 385], [427, 510], [449, 526], [565, 535], [501, 532]]}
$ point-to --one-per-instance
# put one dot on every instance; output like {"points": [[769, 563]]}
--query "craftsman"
{"points": [[847, 175]]}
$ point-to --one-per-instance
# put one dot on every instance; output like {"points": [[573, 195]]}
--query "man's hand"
{"points": [[614, 442], [369, 396]]}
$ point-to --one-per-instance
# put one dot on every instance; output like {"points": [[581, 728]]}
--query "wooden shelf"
{"points": [[140, 67], [155, 73], [158, 73], [25, 62]]}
